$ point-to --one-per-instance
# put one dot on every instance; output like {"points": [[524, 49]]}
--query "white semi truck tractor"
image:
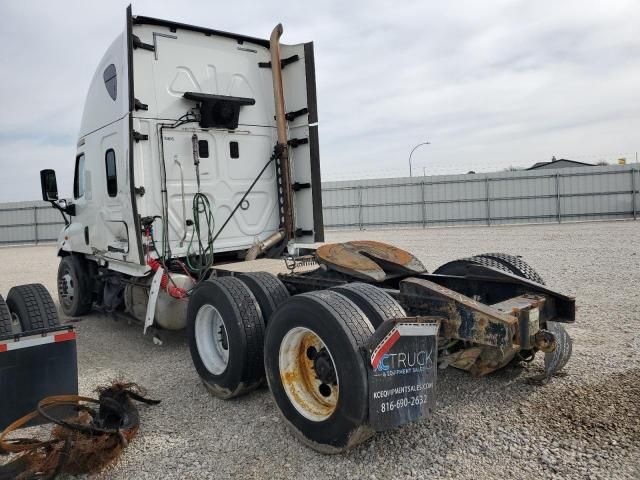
{"points": [[197, 203]]}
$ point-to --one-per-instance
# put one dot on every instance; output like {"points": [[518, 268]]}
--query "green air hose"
{"points": [[204, 253], [201, 206]]}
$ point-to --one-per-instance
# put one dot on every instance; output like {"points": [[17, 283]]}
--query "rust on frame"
{"points": [[465, 318]]}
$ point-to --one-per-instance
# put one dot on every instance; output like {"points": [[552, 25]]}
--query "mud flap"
{"points": [[401, 368], [34, 366]]}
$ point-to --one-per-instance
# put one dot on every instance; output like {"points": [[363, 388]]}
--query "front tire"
{"points": [[75, 286], [316, 372], [226, 335]]}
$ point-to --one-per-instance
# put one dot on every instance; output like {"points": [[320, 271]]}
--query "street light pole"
{"points": [[413, 150]]}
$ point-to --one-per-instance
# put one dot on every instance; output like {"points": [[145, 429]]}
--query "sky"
{"points": [[489, 84]]}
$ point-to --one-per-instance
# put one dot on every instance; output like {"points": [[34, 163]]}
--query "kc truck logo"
{"points": [[396, 361], [382, 360]]}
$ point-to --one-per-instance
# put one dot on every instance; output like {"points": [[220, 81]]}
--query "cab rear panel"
{"points": [[138, 134]]}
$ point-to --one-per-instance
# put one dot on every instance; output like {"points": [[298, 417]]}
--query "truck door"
{"points": [[112, 234], [76, 235]]}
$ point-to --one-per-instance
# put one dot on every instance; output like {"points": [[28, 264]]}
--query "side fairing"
{"points": [[300, 102]]}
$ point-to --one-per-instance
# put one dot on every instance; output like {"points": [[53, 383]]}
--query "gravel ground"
{"points": [[585, 424]]}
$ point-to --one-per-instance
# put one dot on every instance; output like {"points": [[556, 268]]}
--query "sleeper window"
{"points": [[111, 81], [112, 176]]}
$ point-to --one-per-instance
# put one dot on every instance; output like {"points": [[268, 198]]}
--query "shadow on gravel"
{"points": [[459, 389]]}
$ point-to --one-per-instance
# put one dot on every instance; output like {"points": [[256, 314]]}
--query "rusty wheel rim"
{"points": [[314, 395]]}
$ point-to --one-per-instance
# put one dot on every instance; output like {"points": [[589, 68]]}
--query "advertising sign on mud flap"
{"points": [[402, 374]]}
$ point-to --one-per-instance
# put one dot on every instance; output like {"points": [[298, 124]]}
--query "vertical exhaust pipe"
{"points": [[281, 124]]}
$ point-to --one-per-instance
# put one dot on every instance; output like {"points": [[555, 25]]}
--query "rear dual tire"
{"points": [[225, 330], [269, 291], [312, 351], [377, 305], [326, 411]]}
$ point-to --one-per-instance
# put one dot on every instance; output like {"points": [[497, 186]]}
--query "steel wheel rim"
{"points": [[211, 339], [66, 288], [305, 391]]}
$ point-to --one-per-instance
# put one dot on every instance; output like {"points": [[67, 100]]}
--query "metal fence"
{"points": [[536, 196], [29, 222]]}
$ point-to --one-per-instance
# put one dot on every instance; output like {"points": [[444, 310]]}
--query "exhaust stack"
{"points": [[281, 124]]}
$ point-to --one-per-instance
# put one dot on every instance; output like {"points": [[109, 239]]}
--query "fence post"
{"points": [[558, 212], [486, 183], [35, 223], [633, 192], [360, 206], [424, 206]]}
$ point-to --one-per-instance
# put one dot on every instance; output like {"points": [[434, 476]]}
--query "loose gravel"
{"points": [[585, 424]]}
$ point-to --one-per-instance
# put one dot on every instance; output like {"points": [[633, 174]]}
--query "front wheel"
{"points": [[316, 372], [75, 290]]}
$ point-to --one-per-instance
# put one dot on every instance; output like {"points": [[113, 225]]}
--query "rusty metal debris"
{"points": [[84, 442], [368, 260]]}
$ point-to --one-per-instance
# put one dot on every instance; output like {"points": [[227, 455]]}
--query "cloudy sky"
{"points": [[490, 84]]}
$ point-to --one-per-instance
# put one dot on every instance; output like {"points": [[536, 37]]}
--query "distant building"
{"points": [[561, 163]]}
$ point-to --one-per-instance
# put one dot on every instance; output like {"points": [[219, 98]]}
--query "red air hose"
{"points": [[175, 292]]}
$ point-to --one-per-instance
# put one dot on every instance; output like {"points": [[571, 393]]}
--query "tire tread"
{"points": [[275, 291], [385, 306], [514, 264], [354, 319], [252, 324], [40, 308], [5, 319]]}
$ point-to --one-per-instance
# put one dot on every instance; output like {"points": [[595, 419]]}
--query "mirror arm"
{"points": [[62, 211]]}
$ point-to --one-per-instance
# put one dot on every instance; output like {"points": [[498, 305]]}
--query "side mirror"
{"points": [[49, 185]]}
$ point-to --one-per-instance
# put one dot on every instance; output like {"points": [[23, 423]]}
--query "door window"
{"points": [[79, 178], [112, 177]]}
